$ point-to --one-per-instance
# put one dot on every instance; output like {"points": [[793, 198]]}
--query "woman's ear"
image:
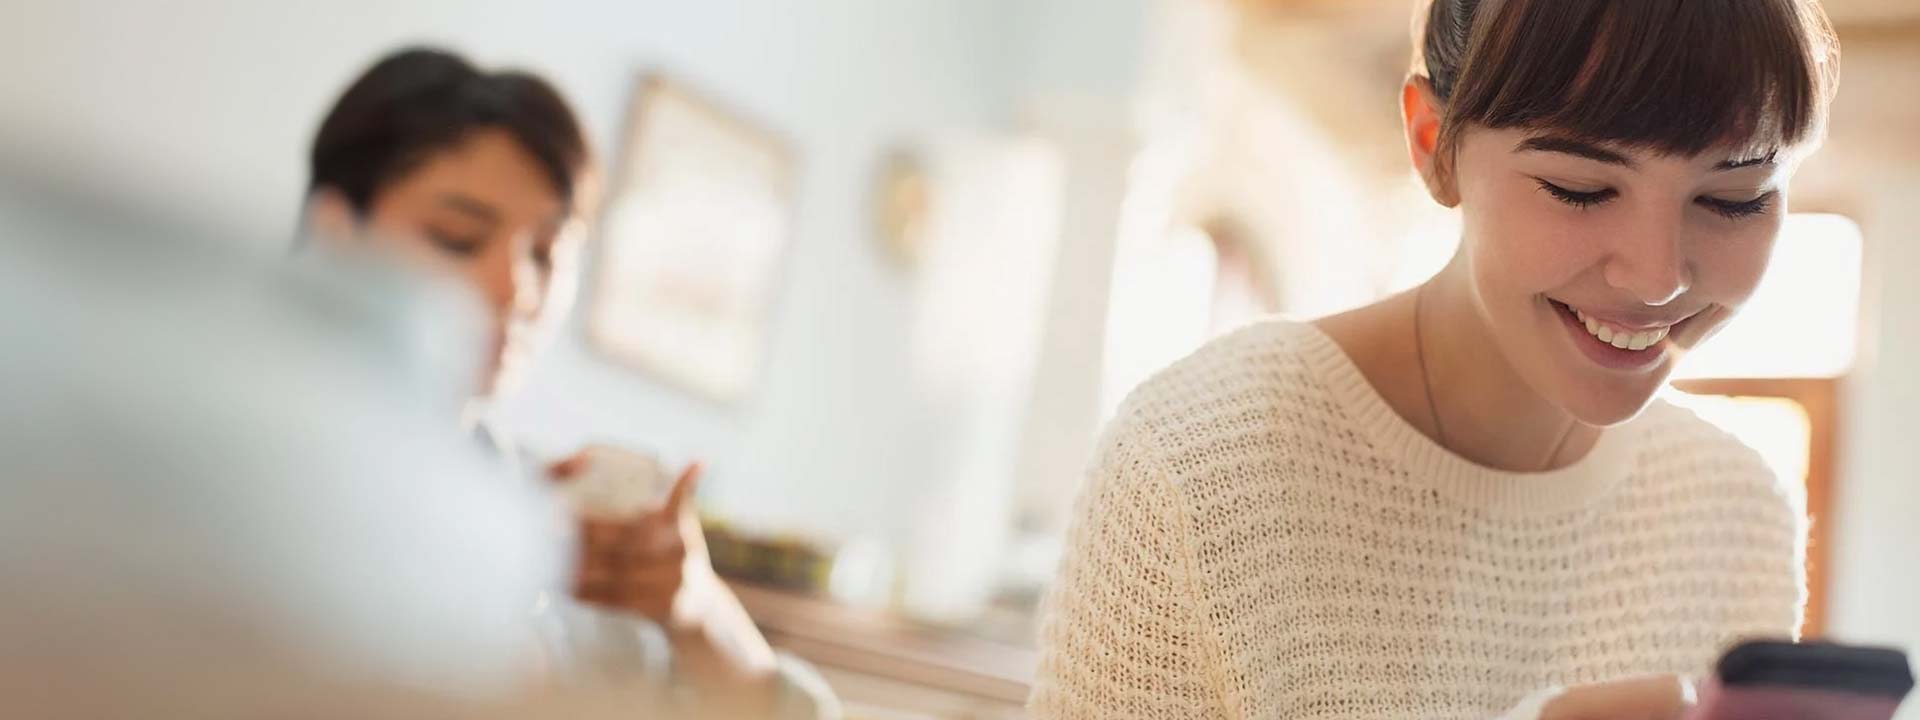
{"points": [[1421, 113], [329, 217]]}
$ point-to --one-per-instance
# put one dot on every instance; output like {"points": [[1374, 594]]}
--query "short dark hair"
{"points": [[419, 101], [1677, 76]]}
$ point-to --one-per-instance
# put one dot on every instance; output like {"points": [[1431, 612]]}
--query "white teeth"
{"points": [[1625, 340], [1646, 339]]}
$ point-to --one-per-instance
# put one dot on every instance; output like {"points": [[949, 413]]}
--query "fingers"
{"points": [[630, 566], [683, 488], [568, 468], [647, 537], [1664, 697], [603, 576], [615, 579], [651, 595], [638, 563]]}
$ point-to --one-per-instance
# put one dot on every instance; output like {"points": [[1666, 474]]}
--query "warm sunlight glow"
{"points": [[1804, 319], [1162, 307], [1776, 427]]}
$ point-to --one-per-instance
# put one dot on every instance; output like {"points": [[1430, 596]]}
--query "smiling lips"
{"points": [[1622, 337]]}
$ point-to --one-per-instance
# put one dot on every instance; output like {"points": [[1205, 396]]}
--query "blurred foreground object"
{"points": [[230, 488], [212, 458]]}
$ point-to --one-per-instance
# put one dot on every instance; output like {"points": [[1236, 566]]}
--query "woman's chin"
{"points": [[1614, 401]]}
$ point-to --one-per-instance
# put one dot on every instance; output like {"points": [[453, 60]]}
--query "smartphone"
{"points": [[1769, 680]]}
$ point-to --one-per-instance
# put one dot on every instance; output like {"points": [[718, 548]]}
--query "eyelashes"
{"points": [[1730, 209], [461, 247], [466, 248], [1582, 200], [1737, 210]]}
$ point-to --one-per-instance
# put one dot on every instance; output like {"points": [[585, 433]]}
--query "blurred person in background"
{"points": [[1458, 501], [225, 491], [481, 177], [229, 489]]}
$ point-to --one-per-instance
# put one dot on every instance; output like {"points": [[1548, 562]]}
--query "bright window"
{"points": [[1161, 308], [1776, 427], [1804, 320]]}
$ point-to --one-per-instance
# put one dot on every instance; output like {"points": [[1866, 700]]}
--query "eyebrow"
{"points": [[1590, 151], [470, 207], [1576, 148]]}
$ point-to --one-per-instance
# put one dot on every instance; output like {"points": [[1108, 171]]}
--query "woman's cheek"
{"points": [[1727, 268], [1539, 248]]}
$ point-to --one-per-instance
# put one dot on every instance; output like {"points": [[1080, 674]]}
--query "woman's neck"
{"points": [[1429, 354]]}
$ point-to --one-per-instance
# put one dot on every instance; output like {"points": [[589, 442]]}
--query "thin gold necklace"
{"points": [[1426, 381]]}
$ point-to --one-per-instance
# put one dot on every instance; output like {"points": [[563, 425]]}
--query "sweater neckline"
{"points": [[1427, 462]]}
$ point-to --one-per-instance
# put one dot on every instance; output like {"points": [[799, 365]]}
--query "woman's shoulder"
{"points": [[1241, 401], [1745, 519], [1241, 377], [1211, 445], [1680, 449], [1672, 426]]}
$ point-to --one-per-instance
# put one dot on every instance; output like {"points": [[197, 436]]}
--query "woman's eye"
{"points": [[455, 245], [1577, 198], [1736, 209]]}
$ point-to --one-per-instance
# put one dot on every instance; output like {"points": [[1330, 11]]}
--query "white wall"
{"points": [[1081, 67], [1870, 171], [1875, 580], [204, 110], [1875, 156]]}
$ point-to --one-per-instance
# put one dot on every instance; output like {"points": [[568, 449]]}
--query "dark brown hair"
{"points": [[419, 101], [1676, 76]]}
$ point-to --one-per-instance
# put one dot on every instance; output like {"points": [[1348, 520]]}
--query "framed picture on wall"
{"points": [[694, 234]]}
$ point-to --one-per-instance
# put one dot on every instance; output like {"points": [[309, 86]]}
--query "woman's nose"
{"points": [[1651, 265], [495, 276], [529, 279]]}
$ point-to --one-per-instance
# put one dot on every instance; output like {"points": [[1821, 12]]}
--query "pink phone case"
{"points": [[1720, 702]]}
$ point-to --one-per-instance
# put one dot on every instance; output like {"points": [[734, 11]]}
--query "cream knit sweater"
{"points": [[1261, 536]]}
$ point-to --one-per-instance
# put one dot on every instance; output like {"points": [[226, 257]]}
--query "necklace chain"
{"points": [[1426, 381]]}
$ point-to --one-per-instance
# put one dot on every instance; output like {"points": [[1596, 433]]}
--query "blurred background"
{"points": [[955, 232]]}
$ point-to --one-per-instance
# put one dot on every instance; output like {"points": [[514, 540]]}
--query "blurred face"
{"points": [[483, 211], [1597, 266]]}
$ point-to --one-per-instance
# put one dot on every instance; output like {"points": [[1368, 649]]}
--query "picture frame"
{"points": [[692, 240]]}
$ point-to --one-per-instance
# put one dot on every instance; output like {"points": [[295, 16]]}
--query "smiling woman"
{"points": [[1459, 500]]}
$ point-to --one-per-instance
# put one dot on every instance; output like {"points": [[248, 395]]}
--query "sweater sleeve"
{"points": [[1123, 637]]}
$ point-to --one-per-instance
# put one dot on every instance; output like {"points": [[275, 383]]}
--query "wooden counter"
{"points": [[884, 666]]}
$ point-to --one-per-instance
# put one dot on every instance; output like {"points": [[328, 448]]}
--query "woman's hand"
{"points": [[1663, 697], [642, 562], [653, 562]]}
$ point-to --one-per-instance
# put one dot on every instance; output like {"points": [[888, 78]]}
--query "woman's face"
{"points": [[485, 212], [1597, 266]]}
